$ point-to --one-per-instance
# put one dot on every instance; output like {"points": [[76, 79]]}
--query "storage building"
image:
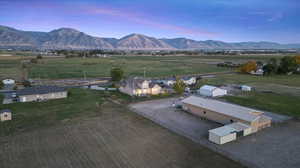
{"points": [[229, 133], [5, 115], [226, 113], [40, 93], [211, 91]]}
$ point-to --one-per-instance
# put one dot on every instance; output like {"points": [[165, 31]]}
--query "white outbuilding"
{"points": [[229, 133], [5, 115], [246, 88], [211, 91], [222, 135], [8, 82]]}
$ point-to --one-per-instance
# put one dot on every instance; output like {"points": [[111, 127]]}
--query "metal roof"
{"points": [[236, 111], [223, 131], [40, 90], [208, 87], [5, 111]]}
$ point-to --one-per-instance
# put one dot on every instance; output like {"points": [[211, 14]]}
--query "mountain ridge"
{"points": [[68, 38]]}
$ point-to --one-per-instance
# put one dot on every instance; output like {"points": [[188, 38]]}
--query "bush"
{"points": [[39, 56], [116, 74], [26, 83]]}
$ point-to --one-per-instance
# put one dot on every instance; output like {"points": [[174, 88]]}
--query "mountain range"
{"points": [[67, 38]]}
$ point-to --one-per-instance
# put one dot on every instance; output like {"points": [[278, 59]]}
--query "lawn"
{"points": [[80, 103], [277, 103], [292, 80]]}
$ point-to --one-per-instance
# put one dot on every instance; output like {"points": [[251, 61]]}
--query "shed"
{"points": [[229, 133], [246, 88], [211, 91], [5, 115], [222, 135]]}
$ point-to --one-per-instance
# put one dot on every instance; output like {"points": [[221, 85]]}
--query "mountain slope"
{"points": [[138, 41], [66, 38]]}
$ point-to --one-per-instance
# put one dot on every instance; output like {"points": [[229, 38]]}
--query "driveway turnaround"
{"points": [[275, 147]]}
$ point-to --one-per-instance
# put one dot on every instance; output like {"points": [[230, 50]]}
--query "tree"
{"points": [[297, 59], [248, 67], [288, 64], [271, 67], [179, 86], [1, 84], [26, 83], [39, 56], [116, 74]]}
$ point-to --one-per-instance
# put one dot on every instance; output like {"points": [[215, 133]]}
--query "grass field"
{"points": [[292, 80], [80, 103], [99, 67], [277, 103]]}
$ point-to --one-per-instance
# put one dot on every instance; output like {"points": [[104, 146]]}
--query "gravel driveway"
{"points": [[275, 147]]}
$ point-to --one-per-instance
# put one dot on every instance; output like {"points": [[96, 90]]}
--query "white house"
{"points": [[211, 91], [8, 82], [189, 80]]}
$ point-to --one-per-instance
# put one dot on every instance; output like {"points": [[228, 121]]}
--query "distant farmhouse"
{"points": [[5, 115], [40, 93], [246, 120], [211, 91], [140, 87], [171, 81]]}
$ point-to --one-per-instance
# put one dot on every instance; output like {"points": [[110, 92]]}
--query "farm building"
{"points": [[226, 113], [5, 115], [229, 133], [211, 91], [40, 93], [246, 88], [140, 87]]}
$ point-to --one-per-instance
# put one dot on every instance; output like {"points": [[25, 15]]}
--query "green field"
{"points": [[277, 103], [58, 68], [80, 103]]}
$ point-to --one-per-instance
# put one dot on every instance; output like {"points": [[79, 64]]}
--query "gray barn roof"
{"points": [[240, 112], [5, 111], [40, 90]]}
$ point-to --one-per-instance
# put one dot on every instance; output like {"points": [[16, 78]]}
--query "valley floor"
{"points": [[118, 138]]}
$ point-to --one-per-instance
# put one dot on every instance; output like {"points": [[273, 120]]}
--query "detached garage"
{"points": [[229, 133], [211, 91], [222, 135]]}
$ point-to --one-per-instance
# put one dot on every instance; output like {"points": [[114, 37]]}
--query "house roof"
{"points": [[135, 83], [40, 90], [5, 111], [236, 111]]}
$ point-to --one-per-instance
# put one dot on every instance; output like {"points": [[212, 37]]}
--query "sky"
{"points": [[225, 20]]}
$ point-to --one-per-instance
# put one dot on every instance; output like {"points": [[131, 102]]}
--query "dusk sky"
{"points": [[226, 20]]}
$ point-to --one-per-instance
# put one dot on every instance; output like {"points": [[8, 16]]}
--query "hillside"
{"points": [[67, 38]]}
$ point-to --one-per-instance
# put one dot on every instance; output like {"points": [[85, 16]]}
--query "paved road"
{"points": [[275, 147]]}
